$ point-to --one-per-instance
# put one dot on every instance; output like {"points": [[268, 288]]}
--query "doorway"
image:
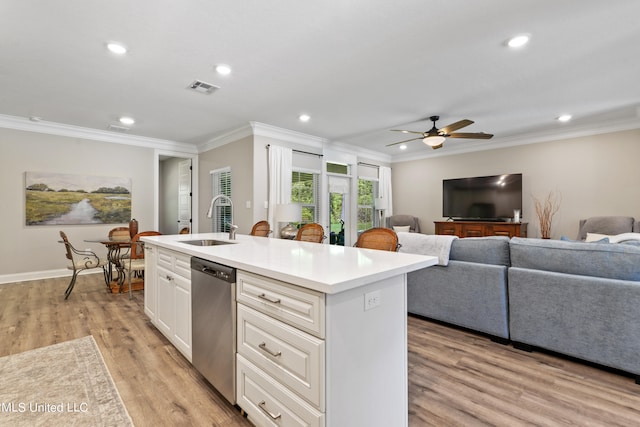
{"points": [[339, 210], [175, 184]]}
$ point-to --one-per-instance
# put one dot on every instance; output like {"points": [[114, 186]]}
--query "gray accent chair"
{"points": [[471, 291], [403, 221], [610, 225], [579, 299]]}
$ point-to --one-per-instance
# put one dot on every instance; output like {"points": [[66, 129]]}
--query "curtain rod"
{"points": [[302, 152]]}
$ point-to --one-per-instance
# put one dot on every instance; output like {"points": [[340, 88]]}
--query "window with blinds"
{"points": [[305, 190], [221, 184]]}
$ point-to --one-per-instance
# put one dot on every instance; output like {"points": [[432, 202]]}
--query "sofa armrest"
{"points": [[463, 293]]}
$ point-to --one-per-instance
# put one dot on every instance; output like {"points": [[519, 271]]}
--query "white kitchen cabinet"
{"points": [[173, 298], [150, 286], [307, 358]]}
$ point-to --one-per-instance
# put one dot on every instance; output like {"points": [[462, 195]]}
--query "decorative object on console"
{"points": [[516, 215], [545, 209], [291, 212]]}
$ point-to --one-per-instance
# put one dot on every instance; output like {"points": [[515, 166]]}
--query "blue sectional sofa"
{"points": [[578, 299], [471, 291], [574, 298]]}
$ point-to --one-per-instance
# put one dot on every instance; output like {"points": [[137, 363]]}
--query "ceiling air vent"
{"points": [[116, 128], [203, 87]]}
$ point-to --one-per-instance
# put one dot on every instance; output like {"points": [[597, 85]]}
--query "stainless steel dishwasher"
{"points": [[214, 323]]}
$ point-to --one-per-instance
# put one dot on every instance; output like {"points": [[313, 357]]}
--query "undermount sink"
{"points": [[206, 242]]}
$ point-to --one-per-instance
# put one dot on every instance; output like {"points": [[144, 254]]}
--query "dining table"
{"points": [[118, 250]]}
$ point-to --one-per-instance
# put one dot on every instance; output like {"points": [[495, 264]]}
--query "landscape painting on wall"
{"points": [[65, 199]]}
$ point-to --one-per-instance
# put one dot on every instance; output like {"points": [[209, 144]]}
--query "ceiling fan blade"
{"points": [[477, 135], [455, 126], [407, 131], [406, 140]]}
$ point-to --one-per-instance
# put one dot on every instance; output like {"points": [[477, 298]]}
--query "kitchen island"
{"points": [[321, 329]]}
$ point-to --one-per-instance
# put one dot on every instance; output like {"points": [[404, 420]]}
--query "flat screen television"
{"points": [[483, 198]]}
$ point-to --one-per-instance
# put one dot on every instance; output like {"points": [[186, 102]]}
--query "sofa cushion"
{"points": [[607, 260], [605, 225], [486, 250]]}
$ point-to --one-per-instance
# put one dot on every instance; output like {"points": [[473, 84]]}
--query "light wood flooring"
{"points": [[456, 378]]}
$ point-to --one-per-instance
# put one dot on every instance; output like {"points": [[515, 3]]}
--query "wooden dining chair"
{"points": [[79, 261], [136, 258], [311, 232], [383, 239], [120, 233], [261, 228], [185, 230]]}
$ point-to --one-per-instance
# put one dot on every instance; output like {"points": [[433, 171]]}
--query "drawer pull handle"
{"points": [[263, 347], [273, 416], [270, 299]]}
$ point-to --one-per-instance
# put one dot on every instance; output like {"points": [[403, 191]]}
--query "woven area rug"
{"points": [[65, 384]]}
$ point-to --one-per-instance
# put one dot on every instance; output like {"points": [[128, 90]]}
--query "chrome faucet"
{"points": [[232, 227]]}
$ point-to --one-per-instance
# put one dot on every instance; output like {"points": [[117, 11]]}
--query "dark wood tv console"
{"points": [[481, 228]]}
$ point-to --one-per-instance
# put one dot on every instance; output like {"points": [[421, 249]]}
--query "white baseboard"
{"points": [[39, 275]]}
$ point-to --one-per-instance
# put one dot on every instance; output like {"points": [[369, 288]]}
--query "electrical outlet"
{"points": [[372, 300]]}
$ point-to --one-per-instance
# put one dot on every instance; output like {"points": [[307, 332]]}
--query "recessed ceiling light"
{"points": [[564, 118], [126, 121], [519, 40], [304, 117], [117, 48], [223, 69], [403, 147]]}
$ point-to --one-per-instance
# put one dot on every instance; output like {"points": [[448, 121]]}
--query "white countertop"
{"points": [[325, 268]]}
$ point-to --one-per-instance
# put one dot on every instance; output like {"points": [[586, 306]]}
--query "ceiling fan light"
{"points": [[434, 141]]}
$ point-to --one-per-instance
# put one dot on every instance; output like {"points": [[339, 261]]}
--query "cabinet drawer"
{"points": [[176, 262], [165, 259], [182, 265], [302, 308], [292, 357], [270, 404]]}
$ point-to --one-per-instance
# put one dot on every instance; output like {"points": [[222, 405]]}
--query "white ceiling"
{"points": [[358, 67]]}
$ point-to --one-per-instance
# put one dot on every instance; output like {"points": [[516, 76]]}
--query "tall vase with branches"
{"points": [[546, 208]]}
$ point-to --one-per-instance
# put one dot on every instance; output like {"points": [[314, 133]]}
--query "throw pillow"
{"points": [[401, 228], [618, 238], [595, 237]]}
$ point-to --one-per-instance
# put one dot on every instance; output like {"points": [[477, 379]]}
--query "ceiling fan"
{"points": [[435, 137]]}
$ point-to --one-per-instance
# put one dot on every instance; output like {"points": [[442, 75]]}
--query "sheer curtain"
{"points": [[280, 170], [384, 189]]}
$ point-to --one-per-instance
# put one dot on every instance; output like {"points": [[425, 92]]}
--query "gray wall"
{"points": [[237, 155], [595, 175], [36, 248]]}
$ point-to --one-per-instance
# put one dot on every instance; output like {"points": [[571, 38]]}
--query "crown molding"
{"points": [[52, 128], [269, 131], [226, 138], [360, 152]]}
